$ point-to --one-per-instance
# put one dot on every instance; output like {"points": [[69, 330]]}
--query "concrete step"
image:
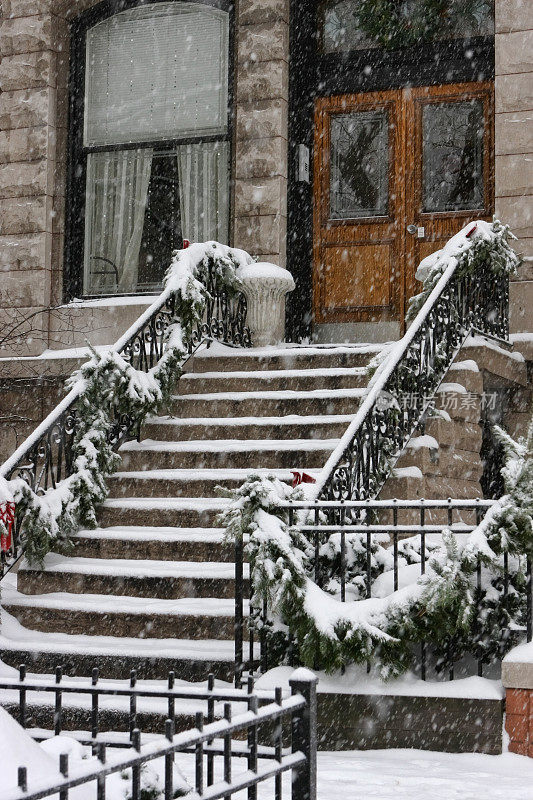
{"points": [[182, 482], [218, 358], [260, 404], [292, 426], [273, 380], [163, 580], [185, 512], [226, 453], [108, 615], [192, 660], [158, 544]]}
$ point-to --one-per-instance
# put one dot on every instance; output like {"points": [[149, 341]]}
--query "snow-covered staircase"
{"points": [[152, 588]]}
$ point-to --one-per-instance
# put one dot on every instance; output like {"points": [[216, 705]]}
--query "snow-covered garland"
{"points": [[309, 625], [109, 388]]}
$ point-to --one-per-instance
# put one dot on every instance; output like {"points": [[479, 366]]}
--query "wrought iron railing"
{"points": [[272, 732], [404, 385], [47, 456], [385, 521]]}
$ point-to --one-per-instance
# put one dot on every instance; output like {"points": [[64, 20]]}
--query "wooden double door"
{"points": [[396, 173]]}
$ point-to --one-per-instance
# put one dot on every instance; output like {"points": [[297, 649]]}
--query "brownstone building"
{"points": [[277, 126]]}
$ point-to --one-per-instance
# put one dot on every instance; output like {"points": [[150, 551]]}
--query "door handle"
{"points": [[416, 230], [411, 229]]}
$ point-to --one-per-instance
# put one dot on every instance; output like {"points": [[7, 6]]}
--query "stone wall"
{"points": [[514, 142], [262, 79]]}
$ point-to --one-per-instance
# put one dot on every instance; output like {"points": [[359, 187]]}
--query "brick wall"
{"points": [[519, 720], [514, 142]]}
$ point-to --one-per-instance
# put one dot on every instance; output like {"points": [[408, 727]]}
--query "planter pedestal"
{"points": [[265, 286]]}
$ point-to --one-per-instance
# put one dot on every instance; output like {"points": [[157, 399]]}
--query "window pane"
{"points": [[359, 165], [462, 19], [157, 72], [139, 205], [452, 156]]}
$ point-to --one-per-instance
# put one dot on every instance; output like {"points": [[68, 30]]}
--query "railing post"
{"points": [[304, 682], [239, 610]]}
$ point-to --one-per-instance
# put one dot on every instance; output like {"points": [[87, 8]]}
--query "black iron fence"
{"points": [[47, 456], [458, 305], [409, 530], [287, 721]]}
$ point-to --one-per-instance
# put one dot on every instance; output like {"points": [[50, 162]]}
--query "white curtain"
{"points": [[117, 192], [203, 184]]}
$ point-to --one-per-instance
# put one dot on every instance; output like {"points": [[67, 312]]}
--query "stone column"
{"points": [[31, 59], [261, 138], [514, 143]]}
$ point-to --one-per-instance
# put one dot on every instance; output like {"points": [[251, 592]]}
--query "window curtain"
{"points": [[203, 185], [117, 192]]}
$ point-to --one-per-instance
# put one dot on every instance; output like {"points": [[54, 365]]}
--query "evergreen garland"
{"points": [[112, 389], [307, 624]]}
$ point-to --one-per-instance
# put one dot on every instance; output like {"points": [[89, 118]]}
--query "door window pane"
{"points": [[359, 165], [156, 72], [459, 19], [139, 206], [452, 156]]}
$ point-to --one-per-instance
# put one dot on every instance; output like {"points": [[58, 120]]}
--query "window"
{"points": [[340, 30], [151, 143]]}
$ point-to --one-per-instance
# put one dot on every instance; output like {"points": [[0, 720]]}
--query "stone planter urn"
{"points": [[265, 286]]}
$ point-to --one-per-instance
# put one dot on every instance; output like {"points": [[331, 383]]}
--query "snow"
{"points": [[171, 503], [263, 269], [263, 394], [523, 654], [452, 387], [417, 442], [468, 365], [15, 636], [526, 336], [143, 533], [408, 472], [485, 341], [288, 419], [356, 680], [18, 749], [103, 302], [287, 350], [137, 568], [268, 374], [227, 445]]}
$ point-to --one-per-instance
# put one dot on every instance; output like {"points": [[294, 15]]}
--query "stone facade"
{"points": [[514, 143], [262, 79], [517, 677], [34, 50]]}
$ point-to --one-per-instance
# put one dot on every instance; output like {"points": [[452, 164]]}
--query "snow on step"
{"points": [[287, 419], [169, 503], [285, 394], [203, 474], [143, 533], [268, 374], [122, 604], [123, 567], [228, 445], [14, 636]]}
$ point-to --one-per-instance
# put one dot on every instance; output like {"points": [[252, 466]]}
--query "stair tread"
{"points": [[15, 636], [228, 445], [121, 604], [172, 503], [201, 474], [125, 567], [281, 394], [287, 419], [146, 533], [268, 374]]}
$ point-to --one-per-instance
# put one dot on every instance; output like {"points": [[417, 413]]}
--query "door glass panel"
{"points": [[359, 165], [452, 156]]}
